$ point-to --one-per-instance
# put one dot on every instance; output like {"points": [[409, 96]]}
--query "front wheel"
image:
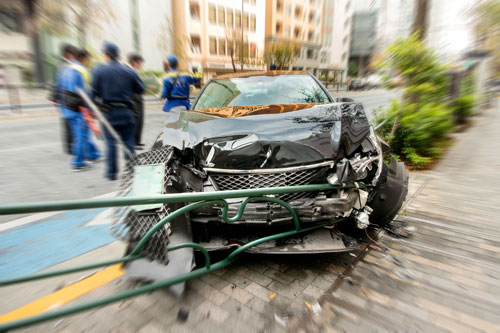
{"points": [[390, 193]]}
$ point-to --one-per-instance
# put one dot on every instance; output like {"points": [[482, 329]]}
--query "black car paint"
{"points": [[322, 132]]}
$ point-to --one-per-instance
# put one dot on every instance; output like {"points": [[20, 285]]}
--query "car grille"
{"points": [[248, 181]]}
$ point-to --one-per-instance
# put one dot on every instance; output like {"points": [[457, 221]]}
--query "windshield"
{"points": [[261, 90]]}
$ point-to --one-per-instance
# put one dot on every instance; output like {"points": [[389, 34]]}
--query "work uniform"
{"points": [[55, 96], [176, 89], [112, 87], [72, 77]]}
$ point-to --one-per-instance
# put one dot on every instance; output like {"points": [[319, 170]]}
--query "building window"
{"points": [[311, 17], [286, 32], [221, 17], [310, 54], [296, 33], [212, 45], [310, 36], [230, 17], [195, 44], [194, 10], [288, 10], [10, 20], [253, 23], [222, 47], [298, 12], [211, 14], [237, 19], [279, 6], [279, 28]]}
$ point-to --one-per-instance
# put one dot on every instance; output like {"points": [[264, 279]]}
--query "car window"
{"points": [[261, 90]]}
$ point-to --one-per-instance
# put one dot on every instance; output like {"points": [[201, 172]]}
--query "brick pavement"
{"points": [[446, 276]]}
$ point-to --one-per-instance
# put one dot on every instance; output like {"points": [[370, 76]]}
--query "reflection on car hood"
{"points": [[313, 134]]}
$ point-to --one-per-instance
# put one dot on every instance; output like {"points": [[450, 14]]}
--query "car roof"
{"points": [[258, 73]]}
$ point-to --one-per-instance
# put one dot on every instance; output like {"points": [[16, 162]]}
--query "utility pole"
{"points": [[242, 44]]}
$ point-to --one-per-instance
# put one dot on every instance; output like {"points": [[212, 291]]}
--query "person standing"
{"points": [[136, 61], [68, 53], [176, 86], [112, 87], [71, 79], [85, 149]]}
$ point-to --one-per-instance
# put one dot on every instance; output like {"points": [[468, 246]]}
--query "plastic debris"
{"points": [[308, 305], [272, 296]]}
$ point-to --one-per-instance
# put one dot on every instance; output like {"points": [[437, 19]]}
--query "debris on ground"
{"points": [[272, 296], [182, 315]]}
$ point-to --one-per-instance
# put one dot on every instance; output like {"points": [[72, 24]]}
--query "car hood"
{"points": [[269, 140]]}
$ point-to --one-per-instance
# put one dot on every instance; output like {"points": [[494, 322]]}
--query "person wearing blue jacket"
{"points": [[175, 87], [113, 85], [70, 79]]}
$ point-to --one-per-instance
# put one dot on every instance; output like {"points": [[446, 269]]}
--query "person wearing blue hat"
{"points": [[113, 85], [71, 78], [175, 87]]}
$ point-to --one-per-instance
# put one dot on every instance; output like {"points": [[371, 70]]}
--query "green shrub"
{"points": [[421, 133], [425, 118], [464, 106]]}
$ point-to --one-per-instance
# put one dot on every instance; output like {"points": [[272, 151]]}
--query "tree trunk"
{"points": [[420, 21], [232, 60], [32, 32], [419, 27]]}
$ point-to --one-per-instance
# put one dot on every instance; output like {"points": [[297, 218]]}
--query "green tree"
{"points": [[281, 53], [418, 125]]}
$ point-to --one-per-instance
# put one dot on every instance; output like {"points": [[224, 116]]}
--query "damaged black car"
{"points": [[260, 130]]}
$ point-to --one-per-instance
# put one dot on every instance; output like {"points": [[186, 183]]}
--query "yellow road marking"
{"points": [[65, 295]]}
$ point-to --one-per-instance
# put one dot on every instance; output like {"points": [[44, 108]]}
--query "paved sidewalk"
{"points": [[446, 277]]}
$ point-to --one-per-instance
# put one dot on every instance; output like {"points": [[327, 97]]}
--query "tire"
{"points": [[390, 193]]}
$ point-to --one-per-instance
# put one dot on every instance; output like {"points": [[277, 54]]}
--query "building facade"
{"points": [[298, 21], [17, 57], [214, 34], [363, 39], [336, 36]]}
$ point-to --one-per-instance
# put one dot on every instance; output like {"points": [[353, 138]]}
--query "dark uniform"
{"points": [[138, 109], [113, 85]]}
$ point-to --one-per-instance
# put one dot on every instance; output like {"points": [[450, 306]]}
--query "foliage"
{"points": [[421, 133], [424, 117], [152, 80], [418, 66], [486, 17], [60, 17], [464, 106], [353, 68], [281, 53]]}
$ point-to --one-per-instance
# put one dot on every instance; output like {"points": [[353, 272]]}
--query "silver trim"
{"points": [[274, 170]]}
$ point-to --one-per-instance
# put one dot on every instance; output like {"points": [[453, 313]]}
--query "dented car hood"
{"points": [[271, 139]]}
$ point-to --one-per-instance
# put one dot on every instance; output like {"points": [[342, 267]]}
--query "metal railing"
{"points": [[195, 200]]}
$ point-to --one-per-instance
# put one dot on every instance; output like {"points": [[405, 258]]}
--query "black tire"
{"points": [[390, 193]]}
